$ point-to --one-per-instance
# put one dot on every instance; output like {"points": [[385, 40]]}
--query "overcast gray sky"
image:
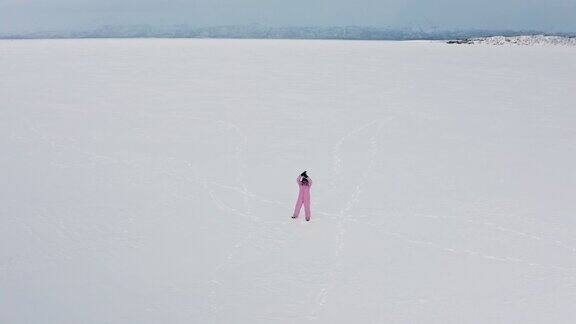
{"points": [[42, 15]]}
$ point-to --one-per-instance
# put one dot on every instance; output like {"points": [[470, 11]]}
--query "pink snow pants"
{"points": [[303, 198]]}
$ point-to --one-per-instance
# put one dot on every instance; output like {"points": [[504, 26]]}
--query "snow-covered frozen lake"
{"points": [[152, 181]]}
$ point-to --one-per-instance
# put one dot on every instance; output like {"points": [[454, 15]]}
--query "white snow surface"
{"points": [[530, 40], [152, 181]]}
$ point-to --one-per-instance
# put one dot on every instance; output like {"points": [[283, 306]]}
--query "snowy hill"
{"points": [[152, 181]]}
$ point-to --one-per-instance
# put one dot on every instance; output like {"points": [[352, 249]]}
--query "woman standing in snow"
{"points": [[304, 182]]}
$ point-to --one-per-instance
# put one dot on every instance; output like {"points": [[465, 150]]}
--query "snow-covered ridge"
{"points": [[519, 40]]}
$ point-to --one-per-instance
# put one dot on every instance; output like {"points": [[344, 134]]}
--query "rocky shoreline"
{"points": [[518, 40]]}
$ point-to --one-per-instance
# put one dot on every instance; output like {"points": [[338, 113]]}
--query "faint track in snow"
{"points": [[58, 144], [47, 252], [508, 259], [337, 159], [248, 194], [341, 217], [504, 229], [238, 155], [500, 228], [257, 227]]}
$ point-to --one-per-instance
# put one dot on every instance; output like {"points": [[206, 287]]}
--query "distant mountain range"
{"points": [[266, 32]]}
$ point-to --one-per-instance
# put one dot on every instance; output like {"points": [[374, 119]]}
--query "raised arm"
{"points": [[298, 179]]}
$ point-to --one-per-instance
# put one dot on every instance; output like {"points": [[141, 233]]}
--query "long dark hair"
{"points": [[304, 179]]}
